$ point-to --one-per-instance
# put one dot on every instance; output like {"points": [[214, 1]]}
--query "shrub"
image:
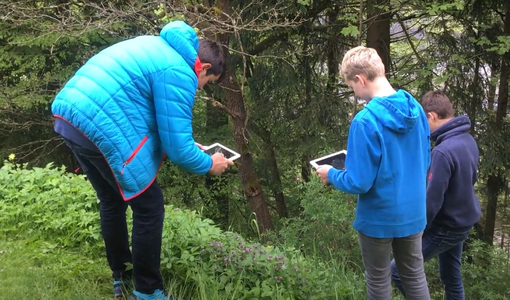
{"points": [[485, 273], [324, 227], [194, 249], [51, 205], [56, 210]]}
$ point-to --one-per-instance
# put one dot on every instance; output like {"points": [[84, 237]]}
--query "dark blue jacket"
{"points": [[451, 199]]}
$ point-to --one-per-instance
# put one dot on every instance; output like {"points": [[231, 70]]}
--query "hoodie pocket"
{"points": [[133, 154]]}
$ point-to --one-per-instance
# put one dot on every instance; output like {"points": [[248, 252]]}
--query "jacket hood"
{"points": [[455, 126], [183, 39], [398, 112]]}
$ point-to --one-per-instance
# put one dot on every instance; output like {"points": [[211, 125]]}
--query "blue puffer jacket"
{"points": [[134, 101]]}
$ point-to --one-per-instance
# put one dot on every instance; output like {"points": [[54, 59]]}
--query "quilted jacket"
{"points": [[134, 101]]}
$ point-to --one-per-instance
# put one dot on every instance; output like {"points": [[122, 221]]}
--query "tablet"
{"points": [[217, 147], [336, 160]]}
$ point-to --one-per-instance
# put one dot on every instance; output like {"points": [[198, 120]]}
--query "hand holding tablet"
{"points": [[323, 164], [336, 160], [219, 148], [221, 156]]}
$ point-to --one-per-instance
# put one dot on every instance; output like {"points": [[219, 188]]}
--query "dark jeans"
{"points": [[148, 215], [447, 246]]}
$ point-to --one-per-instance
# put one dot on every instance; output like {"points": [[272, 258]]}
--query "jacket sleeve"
{"points": [[174, 94], [361, 163], [437, 183]]}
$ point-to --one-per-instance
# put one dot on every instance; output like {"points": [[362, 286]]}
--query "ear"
{"points": [[432, 116], [360, 79], [206, 66]]}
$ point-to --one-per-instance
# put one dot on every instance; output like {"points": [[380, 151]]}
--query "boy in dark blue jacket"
{"points": [[388, 154], [452, 205]]}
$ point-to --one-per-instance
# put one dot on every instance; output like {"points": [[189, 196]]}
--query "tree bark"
{"points": [[276, 182], [503, 79], [281, 206], [234, 104], [475, 101], [494, 187], [495, 182], [306, 66], [332, 58], [215, 120], [378, 32]]}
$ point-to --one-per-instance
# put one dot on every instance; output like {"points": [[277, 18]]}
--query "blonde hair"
{"points": [[362, 61]]}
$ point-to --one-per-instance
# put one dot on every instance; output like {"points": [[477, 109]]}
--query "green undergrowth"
{"points": [[51, 223], [37, 270], [51, 248]]}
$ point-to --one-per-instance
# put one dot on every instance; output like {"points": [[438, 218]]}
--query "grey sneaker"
{"points": [[122, 283], [119, 289]]}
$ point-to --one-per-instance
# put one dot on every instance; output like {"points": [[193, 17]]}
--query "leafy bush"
{"points": [[485, 273], [196, 250], [61, 209], [324, 227], [56, 210], [49, 204]]}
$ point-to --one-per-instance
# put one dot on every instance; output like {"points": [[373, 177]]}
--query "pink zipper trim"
{"points": [[135, 152], [113, 174]]}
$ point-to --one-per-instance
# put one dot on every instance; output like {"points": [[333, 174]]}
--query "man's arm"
{"points": [[361, 163], [174, 95], [437, 183]]}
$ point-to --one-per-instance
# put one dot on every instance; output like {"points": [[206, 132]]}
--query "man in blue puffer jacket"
{"points": [[121, 113]]}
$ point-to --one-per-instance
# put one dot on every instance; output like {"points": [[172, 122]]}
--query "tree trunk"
{"points": [[306, 66], [378, 32], [281, 206], [491, 94], [503, 79], [494, 187], [215, 120], [234, 103], [495, 182], [276, 182], [332, 58], [475, 100]]}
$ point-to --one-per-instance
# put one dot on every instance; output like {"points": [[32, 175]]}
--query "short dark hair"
{"points": [[438, 102], [212, 52]]}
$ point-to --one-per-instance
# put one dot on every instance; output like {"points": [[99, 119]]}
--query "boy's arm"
{"points": [[437, 184], [362, 161]]}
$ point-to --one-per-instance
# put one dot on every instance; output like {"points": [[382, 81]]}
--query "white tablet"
{"points": [[336, 160], [217, 147]]}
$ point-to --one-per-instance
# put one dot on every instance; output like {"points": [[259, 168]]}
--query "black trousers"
{"points": [[148, 214]]}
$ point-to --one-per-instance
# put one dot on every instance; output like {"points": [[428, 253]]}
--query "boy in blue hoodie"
{"points": [[388, 154], [452, 205]]}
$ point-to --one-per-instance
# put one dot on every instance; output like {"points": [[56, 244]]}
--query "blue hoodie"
{"points": [[388, 154], [451, 199]]}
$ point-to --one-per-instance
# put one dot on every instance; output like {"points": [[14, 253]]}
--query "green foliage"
{"points": [[27, 271], [294, 108], [195, 249], [485, 273], [58, 211], [351, 30], [324, 227], [48, 204]]}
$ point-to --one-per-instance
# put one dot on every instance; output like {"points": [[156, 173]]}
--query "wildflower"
{"points": [[12, 156]]}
